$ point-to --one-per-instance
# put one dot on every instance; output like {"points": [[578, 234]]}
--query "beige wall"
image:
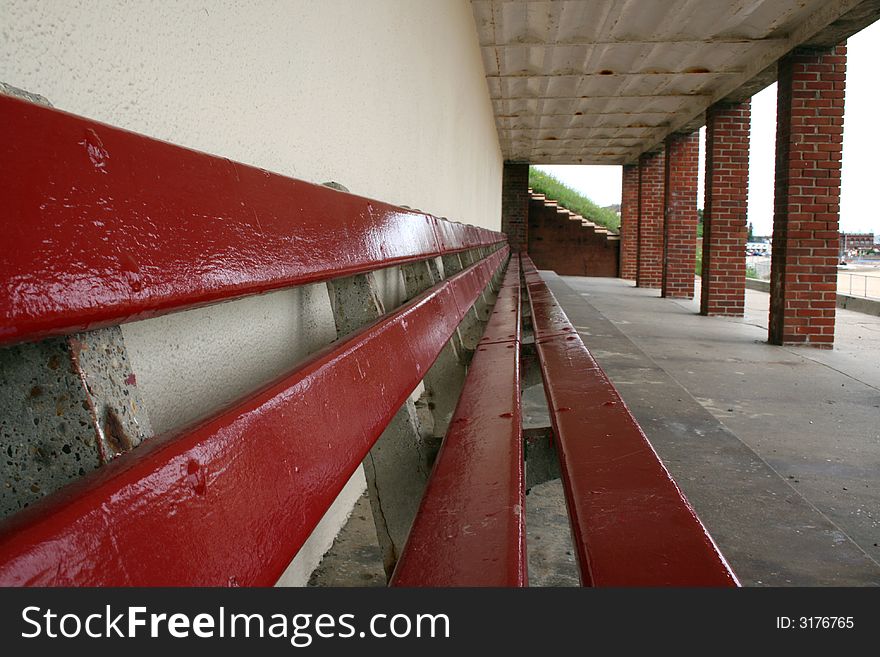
{"points": [[386, 97]]}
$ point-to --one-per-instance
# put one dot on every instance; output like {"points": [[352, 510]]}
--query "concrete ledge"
{"points": [[757, 284], [846, 301], [859, 304]]}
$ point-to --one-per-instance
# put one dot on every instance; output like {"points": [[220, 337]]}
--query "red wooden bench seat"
{"points": [[110, 226], [631, 525], [470, 528]]}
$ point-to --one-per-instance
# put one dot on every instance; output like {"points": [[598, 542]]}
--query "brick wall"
{"points": [[725, 209], [629, 222], [515, 204], [680, 215], [650, 244], [562, 244], [809, 138]]}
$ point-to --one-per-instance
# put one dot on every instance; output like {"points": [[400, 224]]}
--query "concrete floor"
{"points": [[777, 448], [355, 558]]}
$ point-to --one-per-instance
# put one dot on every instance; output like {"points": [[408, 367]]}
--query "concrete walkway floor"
{"points": [[777, 448]]}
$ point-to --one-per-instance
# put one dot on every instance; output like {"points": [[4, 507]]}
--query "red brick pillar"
{"points": [[515, 204], [650, 245], [629, 222], [809, 138], [680, 215], [725, 208]]}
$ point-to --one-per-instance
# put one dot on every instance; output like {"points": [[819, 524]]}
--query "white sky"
{"points": [[861, 145]]}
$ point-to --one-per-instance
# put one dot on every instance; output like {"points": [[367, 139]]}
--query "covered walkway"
{"points": [[777, 448]]}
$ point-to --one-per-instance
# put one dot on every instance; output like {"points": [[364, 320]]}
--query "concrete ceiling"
{"points": [[602, 81]]}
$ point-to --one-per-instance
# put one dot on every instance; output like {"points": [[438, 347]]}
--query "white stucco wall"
{"points": [[384, 96]]}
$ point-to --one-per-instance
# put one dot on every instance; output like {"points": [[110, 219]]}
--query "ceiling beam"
{"points": [[541, 158], [632, 125], [524, 115], [617, 97], [579, 43], [560, 140], [610, 74]]}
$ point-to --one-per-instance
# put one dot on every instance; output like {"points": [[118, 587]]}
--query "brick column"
{"points": [[725, 208], [515, 204], [629, 222], [809, 138], [680, 215], [650, 245]]}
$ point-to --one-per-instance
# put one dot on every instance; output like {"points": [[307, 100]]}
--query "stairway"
{"points": [[569, 244]]}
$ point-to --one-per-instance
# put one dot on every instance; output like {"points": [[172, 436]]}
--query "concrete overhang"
{"points": [[602, 81]]}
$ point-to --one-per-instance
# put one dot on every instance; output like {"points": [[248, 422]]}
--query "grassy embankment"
{"points": [[553, 189], [544, 183]]}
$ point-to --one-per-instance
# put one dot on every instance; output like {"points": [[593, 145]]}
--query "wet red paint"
{"points": [[109, 226], [470, 527], [505, 319], [232, 499], [631, 525]]}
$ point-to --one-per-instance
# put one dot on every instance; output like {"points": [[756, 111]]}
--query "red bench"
{"points": [[470, 528], [190, 229], [110, 227], [631, 525]]}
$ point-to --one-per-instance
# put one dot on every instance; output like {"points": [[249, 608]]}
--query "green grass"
{"points": [[698, 263], [553, 189]]}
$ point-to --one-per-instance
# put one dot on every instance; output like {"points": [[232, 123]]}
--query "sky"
{"points": [[861, 143]]}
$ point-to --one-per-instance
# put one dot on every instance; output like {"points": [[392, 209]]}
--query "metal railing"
{"points": [[761, 267], [859, 285]]}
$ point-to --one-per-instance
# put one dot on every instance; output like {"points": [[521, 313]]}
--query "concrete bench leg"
{"points": [[444, 381], [471, 328], [395, 468], [398, 466], [67, 406]]}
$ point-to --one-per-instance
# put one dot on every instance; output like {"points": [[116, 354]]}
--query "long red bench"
{"points": [[470, 528], [108, 227], [631, 524]]}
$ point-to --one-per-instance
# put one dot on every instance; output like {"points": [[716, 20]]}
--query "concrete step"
{"points": [[564, 212]]}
